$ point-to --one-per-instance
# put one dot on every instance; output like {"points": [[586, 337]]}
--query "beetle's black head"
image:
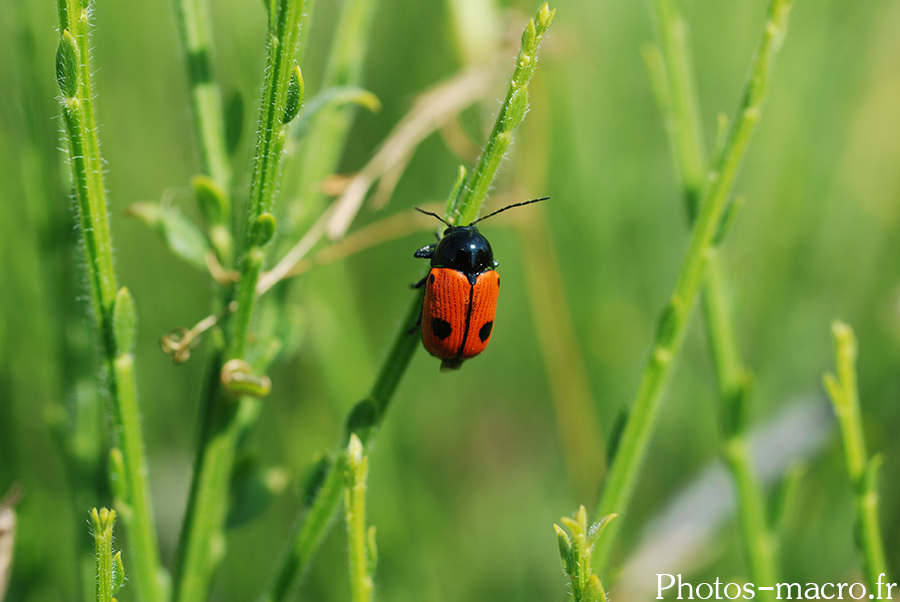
{"points": [[463, 248]]}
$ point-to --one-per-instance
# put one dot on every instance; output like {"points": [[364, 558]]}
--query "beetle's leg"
{"points": [[419, 284], [418, 323], [426, 252]]}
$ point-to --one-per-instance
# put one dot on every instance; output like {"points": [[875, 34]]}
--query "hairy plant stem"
{"points": [[672, 325], [367, 416], [672, 72], [360, 540], [228, 417], [861, 469], [73, 71], [102, 522], [463, 209]]}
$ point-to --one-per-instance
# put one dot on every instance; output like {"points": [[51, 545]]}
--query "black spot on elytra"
{"points": [[485, 331], [498, 281], [431, 279], [441, 328]]}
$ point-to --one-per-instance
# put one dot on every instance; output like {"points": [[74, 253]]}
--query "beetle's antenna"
{"points": [[433, 214], [508, 207]]}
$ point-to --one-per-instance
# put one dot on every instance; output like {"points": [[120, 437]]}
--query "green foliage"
{"points": [[464, 467], [178, 232], [672, 324], [863, 470], [109, 570], [361, 551], [575, 549]]}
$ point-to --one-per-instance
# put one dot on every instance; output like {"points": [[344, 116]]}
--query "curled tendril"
{"points": [[238, 378], [179, 342]]}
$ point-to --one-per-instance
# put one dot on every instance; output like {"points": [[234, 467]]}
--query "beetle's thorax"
{"points": [[465, 249]]}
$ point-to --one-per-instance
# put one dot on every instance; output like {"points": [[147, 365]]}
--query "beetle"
{"points": [[461, 289]]}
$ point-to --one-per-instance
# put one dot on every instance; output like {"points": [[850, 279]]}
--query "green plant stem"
{"points": [[366, 416], [861, 469], [672, 72], [672, 325], [203, 541], [360, 541], [363, 421], [464, 208], [226, 419], [74, 76], [102, 522], [195, 28], [284, 33], [575, 549], [683, 112], [311, 531], [760, 545]]}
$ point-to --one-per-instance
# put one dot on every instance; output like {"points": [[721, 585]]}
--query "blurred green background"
{"points": [[473, 467]]}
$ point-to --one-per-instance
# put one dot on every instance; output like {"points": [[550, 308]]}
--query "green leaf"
{"points": [[371, 550], [253, 489], [728, 219], [211, 199], [669, 320], [736, 406], [67, 64], [179, 233], [117, 475], [784, 499], [457, 189], [870, 474], [118, 573], [529, 34], [234, 121], [595, 589], [313, 480], [263, 230], [545, 17], [362, 419], [294, 95], [515, 111], [333, 98], [566, 553], [124, 321]]}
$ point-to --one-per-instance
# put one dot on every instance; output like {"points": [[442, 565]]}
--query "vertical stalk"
{"points": [[463, 209], [214, 199], [206, 98], [672, 324], [227, 417], [672, 73], [360, 540], [862, 469], [73, 71], [683, 114], [284, 34], [102, 522]]}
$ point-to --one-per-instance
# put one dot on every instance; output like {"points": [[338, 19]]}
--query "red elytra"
{"points": [[458, 317]]}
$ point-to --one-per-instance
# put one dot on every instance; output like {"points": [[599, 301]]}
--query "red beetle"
{"points": [[460, 292]]}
